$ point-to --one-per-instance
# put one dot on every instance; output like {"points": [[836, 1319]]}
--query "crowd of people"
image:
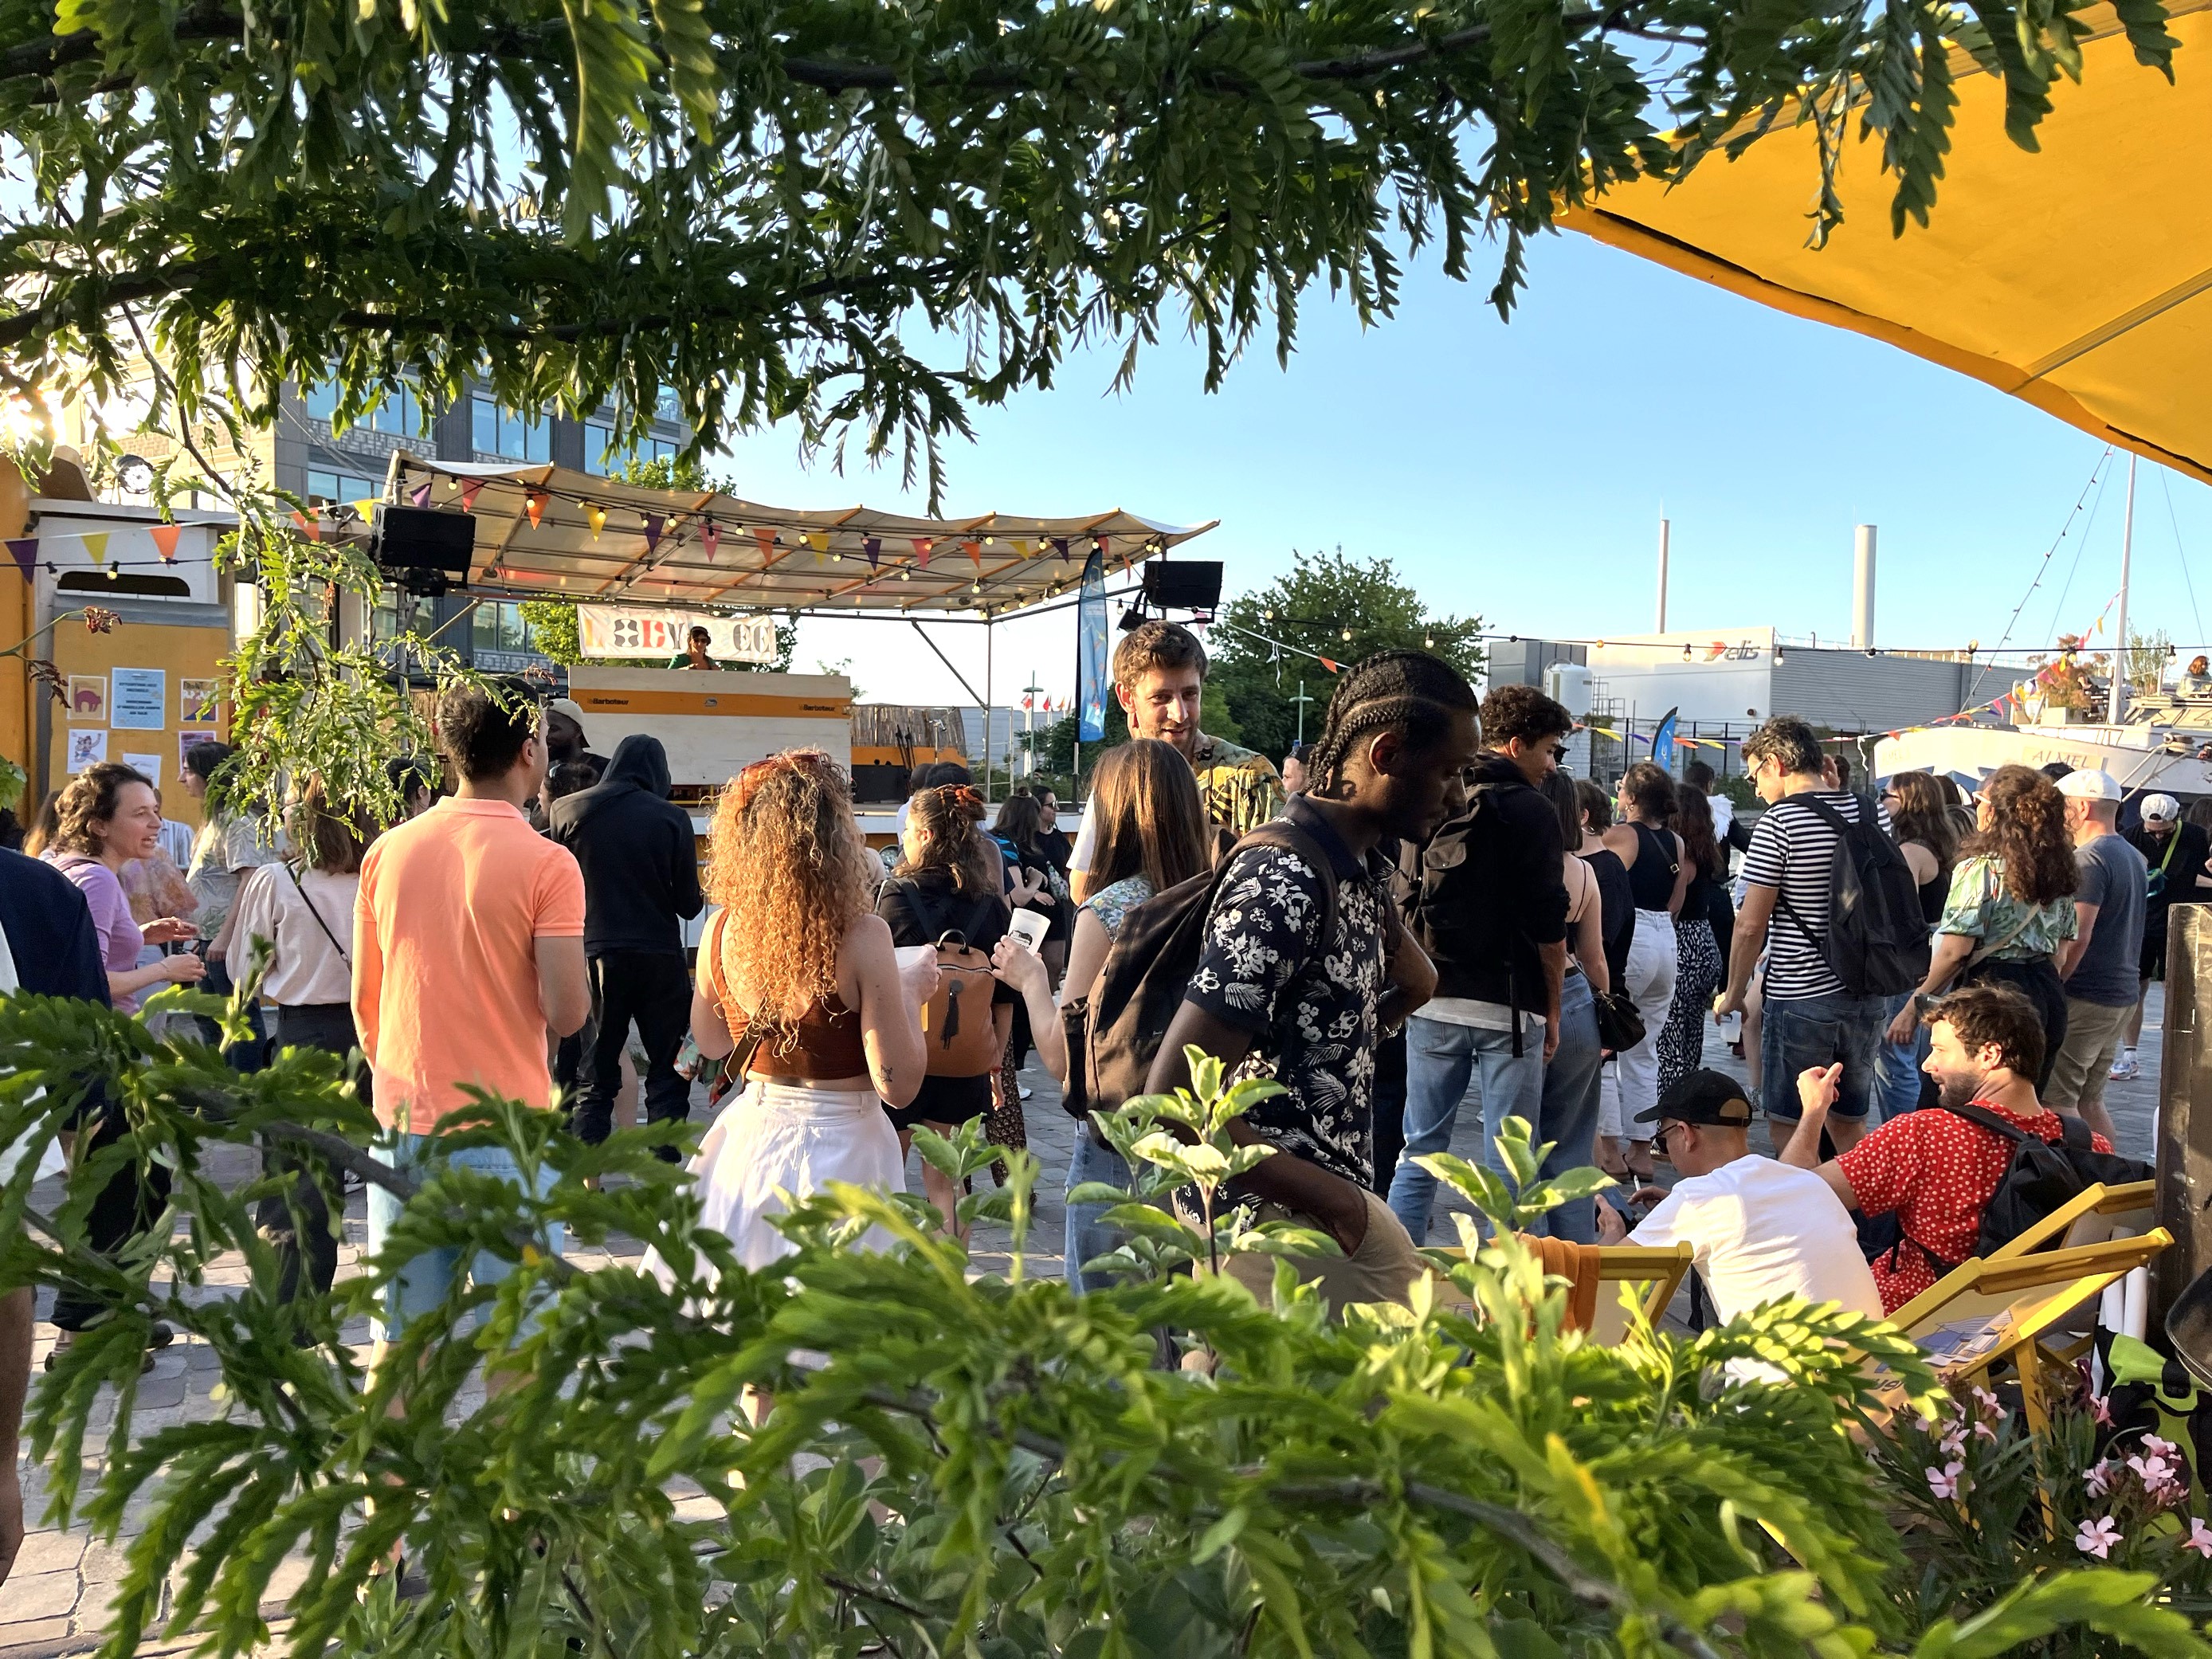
{"points": [[1419, 911]]}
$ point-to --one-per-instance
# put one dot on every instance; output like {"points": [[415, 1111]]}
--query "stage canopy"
{"points": [[547, 533], [2075, 278]]}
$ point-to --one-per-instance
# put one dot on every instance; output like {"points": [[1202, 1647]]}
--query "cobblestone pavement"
{"points": [[56, 1601]]}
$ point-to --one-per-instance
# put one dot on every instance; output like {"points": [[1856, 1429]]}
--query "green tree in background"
{"points": [[1324, 597]]}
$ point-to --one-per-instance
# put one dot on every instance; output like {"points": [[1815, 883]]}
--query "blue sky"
{"points": [[1517, 471]]}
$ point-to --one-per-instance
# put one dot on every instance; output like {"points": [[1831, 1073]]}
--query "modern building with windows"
{"points": [[326, 466]]}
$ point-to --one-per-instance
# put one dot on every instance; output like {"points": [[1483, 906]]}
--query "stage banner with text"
{"points": [[1094, 681], [614, 630]]}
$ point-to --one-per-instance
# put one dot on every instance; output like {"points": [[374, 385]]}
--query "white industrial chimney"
{"points": [[1862, 591], [1664, 528]]}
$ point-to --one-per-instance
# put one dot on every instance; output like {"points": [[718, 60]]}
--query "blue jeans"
{"points": [[423, 1283], [1441, 1059], [1088, 1238], [1568, 1116], [1896, 1065], [1801, 1032]]}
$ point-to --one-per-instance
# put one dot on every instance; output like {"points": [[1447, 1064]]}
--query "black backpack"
{"points": [[1114, 1032], [1452, 923], [1877, 939], [2044, 1175]]}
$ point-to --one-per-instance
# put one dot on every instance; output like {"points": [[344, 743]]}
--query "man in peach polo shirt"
{"points": [[469, 950]]}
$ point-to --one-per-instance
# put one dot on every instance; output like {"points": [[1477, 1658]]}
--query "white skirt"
{"points": [[774, 1142]]}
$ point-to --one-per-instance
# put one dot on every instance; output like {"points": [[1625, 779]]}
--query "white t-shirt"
{"points": [[305, 969], [1763, 1229]]}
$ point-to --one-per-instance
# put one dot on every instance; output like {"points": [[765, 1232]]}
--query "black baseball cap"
{"points": [[1704, 1096]]}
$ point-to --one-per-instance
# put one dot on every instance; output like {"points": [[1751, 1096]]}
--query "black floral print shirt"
{"points": [[1308, 1002]]}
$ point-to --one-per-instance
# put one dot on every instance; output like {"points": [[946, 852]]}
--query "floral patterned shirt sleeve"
{"points": [[1260, 934]]}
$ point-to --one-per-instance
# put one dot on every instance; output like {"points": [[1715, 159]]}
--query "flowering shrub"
{"points": [[957, 1463]]}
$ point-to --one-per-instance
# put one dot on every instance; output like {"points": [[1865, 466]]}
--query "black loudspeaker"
{"points": [[428, 551], [1183, 584]]}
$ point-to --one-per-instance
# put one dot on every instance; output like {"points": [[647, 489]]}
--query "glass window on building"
{"points": [[599, 446], [497, 625], [509, 437], [384, 616], [323, 400], [335, 487], [401, 413]]}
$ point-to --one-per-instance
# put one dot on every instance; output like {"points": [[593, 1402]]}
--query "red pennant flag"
{"points": [[766, 538], [974, 550], [1333, 668], [710, 538], [1026, 703], [165, 540], [533, 503], [921, 546], [469, 496]]}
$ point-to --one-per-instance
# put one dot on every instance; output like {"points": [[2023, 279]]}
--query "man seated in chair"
{"points": [[1933, 1170], [1760, 1231]]}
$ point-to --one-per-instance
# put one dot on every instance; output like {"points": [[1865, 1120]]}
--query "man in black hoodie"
{"points": [[641, 883], [1489, 907]]}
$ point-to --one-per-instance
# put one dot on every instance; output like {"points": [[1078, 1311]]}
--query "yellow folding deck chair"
{"points": [[2020, 1300], [1659, 1270], [2094, 1214]]}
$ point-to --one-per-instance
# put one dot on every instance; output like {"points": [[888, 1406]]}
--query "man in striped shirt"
{"points": [[1810, 1020]]}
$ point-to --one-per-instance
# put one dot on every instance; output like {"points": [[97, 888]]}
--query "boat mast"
{"points": [[2120, 644]]}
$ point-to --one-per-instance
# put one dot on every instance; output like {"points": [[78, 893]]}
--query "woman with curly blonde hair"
{"points": [[798, 967]]}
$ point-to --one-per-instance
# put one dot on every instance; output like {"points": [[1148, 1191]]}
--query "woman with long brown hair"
{"points": [[2010, 906], [1659, 877], [949, 883], [1921, 823], [797, 964], [1153, 835]]}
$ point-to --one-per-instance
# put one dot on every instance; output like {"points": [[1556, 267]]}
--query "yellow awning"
{"points": [[2075, 278]]}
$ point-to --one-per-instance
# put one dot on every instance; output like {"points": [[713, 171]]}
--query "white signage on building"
{"points": [[614, 630]]}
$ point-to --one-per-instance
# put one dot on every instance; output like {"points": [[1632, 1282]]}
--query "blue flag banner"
{"points": [[1663, 740], [1093, 677]]}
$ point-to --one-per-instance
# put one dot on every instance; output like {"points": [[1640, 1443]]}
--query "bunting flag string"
{"points": [[765, 540], [710, 538], [596, 516], [469, 496], [26, 550], [165, 541], [921, 546], [420, 494], [655, 524], [974, 550], [533, 503], [872, 547]]}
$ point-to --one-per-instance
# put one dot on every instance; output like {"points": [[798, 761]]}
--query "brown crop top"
{"points": [[825, 1045]]}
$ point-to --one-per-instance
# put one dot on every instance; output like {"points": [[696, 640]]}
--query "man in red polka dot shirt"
{"points": [[1935, 1170]]}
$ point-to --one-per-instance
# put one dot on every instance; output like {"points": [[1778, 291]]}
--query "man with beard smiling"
{"points": [[1934, 1170]]}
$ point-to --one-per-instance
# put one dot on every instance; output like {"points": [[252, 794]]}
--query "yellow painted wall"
{"points": [[180, 653], [17, 730]]}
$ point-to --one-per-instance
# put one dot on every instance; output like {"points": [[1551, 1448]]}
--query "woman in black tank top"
{"points": [[1657, 876], [1920, 820]]}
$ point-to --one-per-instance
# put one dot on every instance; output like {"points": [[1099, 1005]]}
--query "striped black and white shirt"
{"points": [[1793, 849]]}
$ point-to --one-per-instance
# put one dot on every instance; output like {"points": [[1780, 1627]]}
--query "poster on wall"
{"points": [[188, 741], [87, 696], [148, 764], [616, 630], [87, 748], [139, 699], [196, 700]]}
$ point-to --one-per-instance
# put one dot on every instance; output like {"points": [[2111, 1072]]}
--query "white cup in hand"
{"points": [[917, 968], [1029, 928]]}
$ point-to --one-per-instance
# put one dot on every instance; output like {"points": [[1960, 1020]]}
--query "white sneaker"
{"points": [[2124, 1069], [1027, 1092]]}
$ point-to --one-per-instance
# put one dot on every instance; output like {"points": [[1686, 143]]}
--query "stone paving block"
{"points": [[166, 1387], [48, 1552], [33, 1639], [39, 1596], [104, 1564]]}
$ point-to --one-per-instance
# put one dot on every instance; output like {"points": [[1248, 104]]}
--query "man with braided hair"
{"points": [[1273, 996], [1159, 679]]}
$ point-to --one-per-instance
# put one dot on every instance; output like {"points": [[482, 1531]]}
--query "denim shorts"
{"points": [[424, 1282], [1798, 1033]]}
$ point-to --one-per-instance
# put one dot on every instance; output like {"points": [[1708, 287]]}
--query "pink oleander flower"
{"points": [[2097, 1478], [1953, 1441], [2199, 1539], [1987, 1400], [2161, 1477], [1944, 1482], [2097, 1537], [2102, 1407], [1987, 1432], [2159, 1448]]}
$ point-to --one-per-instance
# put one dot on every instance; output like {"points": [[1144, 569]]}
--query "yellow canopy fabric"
{"points": [[2075, 278]]}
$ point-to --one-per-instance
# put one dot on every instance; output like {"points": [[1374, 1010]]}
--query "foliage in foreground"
{"points": [[981, 1464]]}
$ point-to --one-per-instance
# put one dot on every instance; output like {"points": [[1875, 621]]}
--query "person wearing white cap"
{"points": [[2175, 853], [2099, 965]]}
